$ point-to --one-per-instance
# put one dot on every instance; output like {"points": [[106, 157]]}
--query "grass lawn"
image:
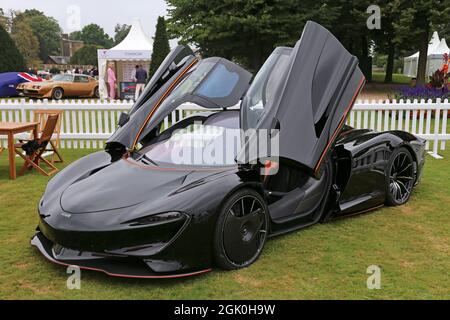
{"points": [[397, 78], [411, 244]]}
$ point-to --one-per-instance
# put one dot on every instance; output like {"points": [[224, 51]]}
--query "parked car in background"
{"points": [[60, 86], [10, 80]]}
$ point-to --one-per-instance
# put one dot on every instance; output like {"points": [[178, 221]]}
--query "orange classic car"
{"points": [[60, 86]]}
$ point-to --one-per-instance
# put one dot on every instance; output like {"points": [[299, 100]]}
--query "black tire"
{"points": [[57, 93], [240, 235], [96, 93], [400, 177]]}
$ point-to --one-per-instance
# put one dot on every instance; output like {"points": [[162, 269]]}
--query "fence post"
{"points": [[23, 114], [45, 103], [445, 112], [437, 115]]}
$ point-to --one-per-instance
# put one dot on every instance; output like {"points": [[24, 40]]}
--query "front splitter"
{"points": [[118, 268]]}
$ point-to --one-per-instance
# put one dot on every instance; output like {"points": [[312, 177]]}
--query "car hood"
{"points": [[34, 83], [121, 184], [125, 183]]}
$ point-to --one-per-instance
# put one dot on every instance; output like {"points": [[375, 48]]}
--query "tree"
{"points": [[160, 45], [414, 21], [46, 29], [94, 34], [4, 20], [121, 31], [246, 31], [75, 35], [12, 59], [349, 25], [86, 55], [384, 38], [388, 41], [443, 28], [26, 42]]}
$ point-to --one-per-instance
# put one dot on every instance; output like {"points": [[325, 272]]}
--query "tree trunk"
{"points": [[390, 63], [365, 62], [423, 57]]}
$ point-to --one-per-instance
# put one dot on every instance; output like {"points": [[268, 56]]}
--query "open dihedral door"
{"points": [[175, 65], [312, 100], [210, 83]]}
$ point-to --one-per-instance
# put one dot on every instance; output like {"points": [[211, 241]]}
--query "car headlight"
{"points": [[157, 219]]}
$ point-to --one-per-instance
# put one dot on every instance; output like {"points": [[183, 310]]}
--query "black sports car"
{"points": [[133, 211]]}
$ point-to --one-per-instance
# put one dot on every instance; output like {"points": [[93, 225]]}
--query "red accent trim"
{"points": [[182, 275], [347, 110]]}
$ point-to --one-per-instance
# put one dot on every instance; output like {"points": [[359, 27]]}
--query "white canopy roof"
{"points": [[435, 47], [136, 46], [136, 39], [441, 48]]}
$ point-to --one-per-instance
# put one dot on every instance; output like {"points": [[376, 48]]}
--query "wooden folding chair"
{"points": [[41, 116], [35, 149]]}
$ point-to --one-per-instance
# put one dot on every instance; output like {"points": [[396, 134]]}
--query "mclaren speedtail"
{"points": [[136, 210]]}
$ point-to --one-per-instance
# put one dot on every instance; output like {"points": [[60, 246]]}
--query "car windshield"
{"points": [[214, 142], [261, 92], [63, 78]]}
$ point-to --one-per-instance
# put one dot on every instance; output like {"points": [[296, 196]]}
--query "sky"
{"points": [[74, 14]]}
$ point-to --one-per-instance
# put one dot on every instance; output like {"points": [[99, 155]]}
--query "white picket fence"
{"points": [[88, 123]]}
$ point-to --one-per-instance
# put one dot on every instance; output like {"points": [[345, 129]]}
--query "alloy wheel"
{"points": [[401, 177], [245, 230]]}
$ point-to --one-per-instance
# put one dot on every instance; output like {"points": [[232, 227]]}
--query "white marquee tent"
{"points": [[436, 49], [136, 48]]}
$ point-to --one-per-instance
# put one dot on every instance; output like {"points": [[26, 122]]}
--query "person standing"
{"points": [[141, 79], [112, 83]]}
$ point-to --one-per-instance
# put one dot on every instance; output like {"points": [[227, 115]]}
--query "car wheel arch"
{"points": [[254, 185], [93, 94], [402, 144], [410, 149]]}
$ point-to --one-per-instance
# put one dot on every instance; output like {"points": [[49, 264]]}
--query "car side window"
{"points": [[81, 79]]}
